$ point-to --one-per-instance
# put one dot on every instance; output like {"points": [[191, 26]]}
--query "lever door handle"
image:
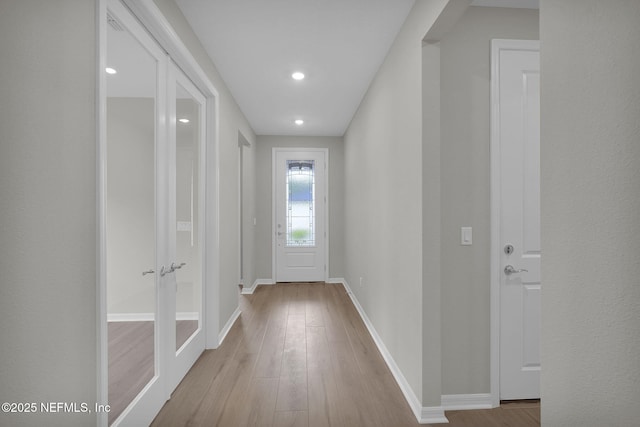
{"points": [[510, 270], [175, 267], [144, 273]]}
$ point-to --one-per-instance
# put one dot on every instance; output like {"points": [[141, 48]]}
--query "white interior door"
{"points": [[135, 227], [154, 231], [300, 204], [520, 254], [186, 224]]}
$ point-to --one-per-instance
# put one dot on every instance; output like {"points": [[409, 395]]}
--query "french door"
{"points": [[154, 230], [186, 224]]}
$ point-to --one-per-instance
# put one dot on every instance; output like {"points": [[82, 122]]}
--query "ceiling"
{"points": [[257, 44], [338, 44]]}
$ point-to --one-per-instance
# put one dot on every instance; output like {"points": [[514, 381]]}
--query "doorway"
{"points": [[300, 214], [515, 193]]}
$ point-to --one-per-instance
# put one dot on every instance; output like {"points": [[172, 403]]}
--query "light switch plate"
{"points": [[184, 226], [466, 236]]}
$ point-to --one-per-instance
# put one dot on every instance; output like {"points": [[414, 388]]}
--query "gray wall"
{"points": [[48, 208], [263, 195], [465, 118], [248, 210], [231, 121], [383, 203], [590, 61]]}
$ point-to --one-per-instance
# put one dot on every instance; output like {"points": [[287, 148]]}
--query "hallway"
{"points": [[299, 355]]}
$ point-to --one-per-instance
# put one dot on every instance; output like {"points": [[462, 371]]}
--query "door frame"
{"points": [[154, 22], [274, 242], [497, 45]]}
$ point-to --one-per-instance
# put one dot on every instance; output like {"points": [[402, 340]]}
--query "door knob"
{"points": [[510, 270]]}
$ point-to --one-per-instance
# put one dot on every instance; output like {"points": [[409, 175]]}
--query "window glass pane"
{"points": [[300, 203], [188, 248], [130, 219]]}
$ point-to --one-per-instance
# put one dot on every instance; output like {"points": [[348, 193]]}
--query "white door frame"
{"points": [[158, 26], [495, 264], [274, 241]]}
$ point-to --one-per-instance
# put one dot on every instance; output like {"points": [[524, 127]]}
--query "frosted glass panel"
{"points": [[300, 203]]}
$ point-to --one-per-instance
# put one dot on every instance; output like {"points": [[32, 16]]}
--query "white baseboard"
{"points": [[337, 280], [424, 415], [187, 315], [432, 415], [258, 282], [131, 317], [149, 317], [227, 327], [458, 402]]}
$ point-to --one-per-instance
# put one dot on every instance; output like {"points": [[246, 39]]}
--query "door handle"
{"points": [[144, 273], [175, 267], [164, 271], [510, 270]]}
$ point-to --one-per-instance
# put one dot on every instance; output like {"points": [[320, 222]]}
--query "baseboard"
{"points": [[424, 415], [131, 317], [458, 402], [187, 315], [258, 282], [337, 280], [149, 317], [227, 327], [432, 415]]}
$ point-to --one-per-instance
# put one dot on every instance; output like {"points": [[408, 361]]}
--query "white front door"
{"points": [[300, 204], [518, 131]]}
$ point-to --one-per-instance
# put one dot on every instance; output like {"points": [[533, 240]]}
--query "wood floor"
{"points": [[131, 359], [299, 355]]}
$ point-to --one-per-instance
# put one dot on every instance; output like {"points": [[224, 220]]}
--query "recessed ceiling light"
{"points": [[183, 120], [297, 75], [110, 70], [299, 122]]}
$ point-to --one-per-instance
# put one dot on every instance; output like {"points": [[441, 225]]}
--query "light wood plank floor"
{"points": [[299, 355], [131, 359]]}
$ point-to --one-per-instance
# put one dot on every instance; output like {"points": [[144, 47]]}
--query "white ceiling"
{"points": [[338, 44], [524, 4], [257, 44]]}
